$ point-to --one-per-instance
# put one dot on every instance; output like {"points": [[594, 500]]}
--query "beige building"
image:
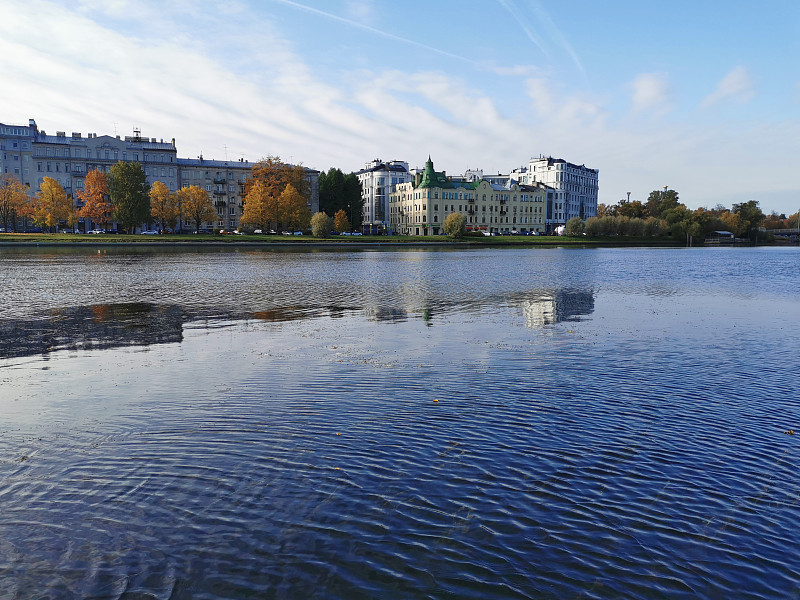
{"points": [[419, 207]]}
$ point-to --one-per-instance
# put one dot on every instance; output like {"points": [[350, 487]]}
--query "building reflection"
{"points": [[547, 307], [99, 326]]}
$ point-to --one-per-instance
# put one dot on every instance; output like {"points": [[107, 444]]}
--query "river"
{"points": [[488, 423]]}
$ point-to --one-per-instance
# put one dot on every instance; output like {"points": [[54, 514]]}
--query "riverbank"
{"points": [[60, 239]]}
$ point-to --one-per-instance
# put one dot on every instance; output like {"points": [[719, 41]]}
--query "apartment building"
{"points": [[419, 207], [31, 155], [574, 188], [378, 180]]}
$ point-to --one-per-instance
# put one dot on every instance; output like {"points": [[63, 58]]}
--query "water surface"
{"points": [[551, 423]]}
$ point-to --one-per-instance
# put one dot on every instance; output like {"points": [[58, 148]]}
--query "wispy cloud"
{"points": [[736, 85], [651, 93], [545, 22], [363, 26]]}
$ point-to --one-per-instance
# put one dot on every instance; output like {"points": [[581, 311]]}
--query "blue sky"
{"points": [[701, 96]]}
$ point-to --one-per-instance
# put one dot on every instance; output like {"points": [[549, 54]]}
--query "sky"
{"points": [[702, 97]]}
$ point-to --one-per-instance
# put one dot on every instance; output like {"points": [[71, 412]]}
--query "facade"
{"points": [[32, 155], [419, 207], [574, 188], [378, 180]]}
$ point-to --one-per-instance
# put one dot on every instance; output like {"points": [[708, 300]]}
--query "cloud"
{"points": [[736, 85], [651, 93]]}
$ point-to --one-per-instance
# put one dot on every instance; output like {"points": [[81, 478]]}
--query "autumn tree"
{"points": [[196, 206], [455, 225], [341, 222], [260, 206], [13, 199], [321, 225], [97, 206], [52, 205], [293, 211], [129, 193], [275, 175], [164, 207], [750, 216]]}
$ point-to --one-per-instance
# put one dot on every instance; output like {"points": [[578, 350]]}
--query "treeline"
{"points": [[663, 214], [341, 193]]}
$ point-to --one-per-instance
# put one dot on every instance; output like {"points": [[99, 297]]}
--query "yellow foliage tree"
{"points": [[276, 175], [164, 206], [97, 206], [340, 221], [13, 200], [293, 210], [196, 206], [260, 207], [53, 205]]}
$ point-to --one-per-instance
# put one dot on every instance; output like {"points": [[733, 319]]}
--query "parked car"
{"points": [[257, 231], [150, 232], [97, 231], [298, 233]]}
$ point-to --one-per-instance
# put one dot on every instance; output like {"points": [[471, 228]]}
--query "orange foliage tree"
{"points": [[164, 206], [13, 200], [196, 206], [293, 210], [340, 221], [53, 205], [97, 206]]}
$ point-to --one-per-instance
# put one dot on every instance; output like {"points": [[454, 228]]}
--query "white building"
{"points": [[378, 180], [574, 188]]}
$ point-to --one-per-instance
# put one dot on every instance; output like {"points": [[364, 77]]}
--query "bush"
{"points": [[574, 227], [321, 225], [455, 225]]}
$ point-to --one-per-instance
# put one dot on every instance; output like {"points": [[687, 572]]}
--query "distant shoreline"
{"points": [[10, 240]]}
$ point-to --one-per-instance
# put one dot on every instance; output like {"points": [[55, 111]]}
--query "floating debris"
{"points": [[789, 432]]}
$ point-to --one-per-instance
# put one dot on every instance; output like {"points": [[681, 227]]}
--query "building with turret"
{"points": [[419, 207]]}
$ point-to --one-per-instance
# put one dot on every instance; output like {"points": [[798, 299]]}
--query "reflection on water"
{"points": [[400, 425], [555, 306], [98, 326]]}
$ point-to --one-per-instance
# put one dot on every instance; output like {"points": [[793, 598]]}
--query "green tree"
{"points": [[196, 206], [455, 225], [129, 193], [660, 201], [574, 227], [750, 216], [353, 199], [331, 191], [321, 225]]}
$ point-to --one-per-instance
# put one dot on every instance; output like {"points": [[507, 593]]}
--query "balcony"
{"points": [[219, 204], [219, 192], [220, 180]]}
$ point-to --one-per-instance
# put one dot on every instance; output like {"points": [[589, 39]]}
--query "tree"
{"points": [[574, 227], [259, 206], [751, 217], [341, 222], [97, 206], [196, 206], [331, 191], [293, 210], [321, 225], [631, 209], [455, 225], [352, 196], [275, 175], [659, 202], [129, 193], [53, 205], [164, 206], [13, 199]]}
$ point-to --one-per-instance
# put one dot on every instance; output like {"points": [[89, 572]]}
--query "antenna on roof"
{"points": [[226, 151], [137, 134], [115, 129]]}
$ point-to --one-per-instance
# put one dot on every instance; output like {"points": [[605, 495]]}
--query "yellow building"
{"points": [[420, 207]]}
